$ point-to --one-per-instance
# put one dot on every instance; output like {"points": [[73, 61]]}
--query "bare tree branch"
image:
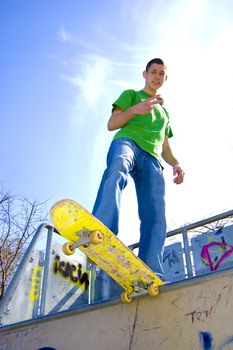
{"points": [[213, 226], [19, 219]]}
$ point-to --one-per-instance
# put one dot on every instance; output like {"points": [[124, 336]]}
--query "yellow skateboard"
{"points": [[84, 231]]}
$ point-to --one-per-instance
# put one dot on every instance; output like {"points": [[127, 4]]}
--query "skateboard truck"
{"points": [[87, 237], [137, 286]]}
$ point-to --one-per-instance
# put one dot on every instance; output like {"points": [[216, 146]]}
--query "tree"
{"points": [[19, 219], [214, 226]]}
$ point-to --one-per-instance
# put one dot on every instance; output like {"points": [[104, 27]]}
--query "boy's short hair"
{"points": [[154, 60]]}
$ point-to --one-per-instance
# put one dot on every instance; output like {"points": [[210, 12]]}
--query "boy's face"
{"points": [[155, 76]]}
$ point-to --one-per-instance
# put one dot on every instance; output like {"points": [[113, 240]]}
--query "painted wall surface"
{"points": [[70, 282], [194, 314], [65, 285], [213, 251]]}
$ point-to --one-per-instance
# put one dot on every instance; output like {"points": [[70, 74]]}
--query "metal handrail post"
{"points": [[187, 252], [46, 270]]}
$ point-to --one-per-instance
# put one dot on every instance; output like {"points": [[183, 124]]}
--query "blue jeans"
{"points": [[126, 158]]}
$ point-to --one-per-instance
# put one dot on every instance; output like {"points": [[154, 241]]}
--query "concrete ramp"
{"points": [[55, 302], [193, 314]]}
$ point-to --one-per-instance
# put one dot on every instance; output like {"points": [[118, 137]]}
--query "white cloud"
{"points": [[68, 37], [64, 35]]}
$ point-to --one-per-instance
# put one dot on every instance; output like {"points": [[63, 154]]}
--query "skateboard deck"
{"points": [[85, 232]]}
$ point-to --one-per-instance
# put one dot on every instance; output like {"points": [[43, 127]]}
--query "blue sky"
{"points": [[64, 62]]}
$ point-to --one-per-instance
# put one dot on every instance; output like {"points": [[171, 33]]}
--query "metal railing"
{"points": [[184, 231]]}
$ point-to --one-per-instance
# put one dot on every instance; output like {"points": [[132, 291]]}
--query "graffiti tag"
{"points": [[199, 315], [36, 282], [70, 271], [214, 263], [171, 257]]}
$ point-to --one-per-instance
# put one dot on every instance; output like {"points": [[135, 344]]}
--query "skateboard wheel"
{"points": [[96, 237], [66, 248], [153, 290], [125, 297]]}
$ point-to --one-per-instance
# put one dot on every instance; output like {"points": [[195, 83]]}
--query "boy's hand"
{"points": [[147, 105], [178, 173]]}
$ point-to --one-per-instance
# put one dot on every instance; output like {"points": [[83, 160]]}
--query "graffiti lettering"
{"points": [[71, 271], [171, 257], [199, 315], [215, 262], [36, 282]]}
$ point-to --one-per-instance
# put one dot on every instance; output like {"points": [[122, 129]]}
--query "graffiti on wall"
{"points": [[198, 315], [215, 253], [207, 341], [171, 257], [70, 271], [36, 283], [173, 262]]}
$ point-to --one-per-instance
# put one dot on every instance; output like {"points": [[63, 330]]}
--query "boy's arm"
{"points": [[171, 160], [119, 118]]}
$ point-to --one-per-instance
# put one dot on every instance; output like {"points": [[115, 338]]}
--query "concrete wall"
{"points": [[194, 314]]}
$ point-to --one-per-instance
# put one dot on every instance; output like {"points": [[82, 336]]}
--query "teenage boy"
{"points": [[138, 149]]}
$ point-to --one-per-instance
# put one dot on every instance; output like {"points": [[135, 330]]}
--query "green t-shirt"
{"points": [[147, 131]]}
